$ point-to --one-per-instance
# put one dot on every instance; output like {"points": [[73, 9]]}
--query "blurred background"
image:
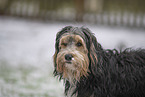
{"points": [[27, 36]]}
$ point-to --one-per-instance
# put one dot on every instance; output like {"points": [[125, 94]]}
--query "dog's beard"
{"points": [[74, 69]]}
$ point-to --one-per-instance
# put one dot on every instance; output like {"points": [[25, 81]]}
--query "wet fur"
{"points": [[111, 73]]}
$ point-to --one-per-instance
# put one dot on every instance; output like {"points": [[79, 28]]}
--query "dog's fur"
{"points": [[91, 71]]}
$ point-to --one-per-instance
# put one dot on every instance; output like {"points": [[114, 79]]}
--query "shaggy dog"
{"points": [[88, 70]]}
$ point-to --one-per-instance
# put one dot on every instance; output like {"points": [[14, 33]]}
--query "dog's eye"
{"points": [[79, 44], [64, 44]]}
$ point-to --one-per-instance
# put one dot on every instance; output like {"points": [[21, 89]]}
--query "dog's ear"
{"points": [[93, 47], [54, 62], [58, 36]]}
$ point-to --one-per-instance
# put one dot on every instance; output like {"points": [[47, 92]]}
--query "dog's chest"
{"points": [[71, 90]]}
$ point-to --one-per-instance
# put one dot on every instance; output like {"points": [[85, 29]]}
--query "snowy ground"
{"points": [[27, 47]]}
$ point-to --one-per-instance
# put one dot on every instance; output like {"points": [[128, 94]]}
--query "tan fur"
{"points": [[80, 62]]}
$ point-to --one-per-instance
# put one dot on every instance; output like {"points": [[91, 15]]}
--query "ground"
{"points": [[27, 47]]}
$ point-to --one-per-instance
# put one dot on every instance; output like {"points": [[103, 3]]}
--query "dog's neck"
{"points": [[72, 87], [71, 79]]}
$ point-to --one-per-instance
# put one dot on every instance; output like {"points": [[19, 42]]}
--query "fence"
{"points": [[108, 12]]}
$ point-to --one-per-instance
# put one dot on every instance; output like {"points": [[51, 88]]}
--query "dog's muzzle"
{"points": [[68, 58]]}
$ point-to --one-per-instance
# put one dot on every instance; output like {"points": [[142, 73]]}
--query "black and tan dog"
{"points": [[90, 71]]}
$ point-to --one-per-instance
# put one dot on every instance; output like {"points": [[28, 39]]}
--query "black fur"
{"points": [[113, 74]]}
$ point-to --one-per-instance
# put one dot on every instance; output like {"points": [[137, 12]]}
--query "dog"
{"points": [[88, 70]]}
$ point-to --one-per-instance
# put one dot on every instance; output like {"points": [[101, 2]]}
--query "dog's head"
{"points": [[75, 50]]}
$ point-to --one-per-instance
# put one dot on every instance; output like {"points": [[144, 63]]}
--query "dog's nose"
{"points": [[68, 57]]}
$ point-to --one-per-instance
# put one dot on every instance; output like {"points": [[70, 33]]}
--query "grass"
{"points": [[28, 81]]}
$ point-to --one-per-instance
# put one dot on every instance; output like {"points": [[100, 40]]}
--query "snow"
{"points": [[27, 48], [33, 42]]}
